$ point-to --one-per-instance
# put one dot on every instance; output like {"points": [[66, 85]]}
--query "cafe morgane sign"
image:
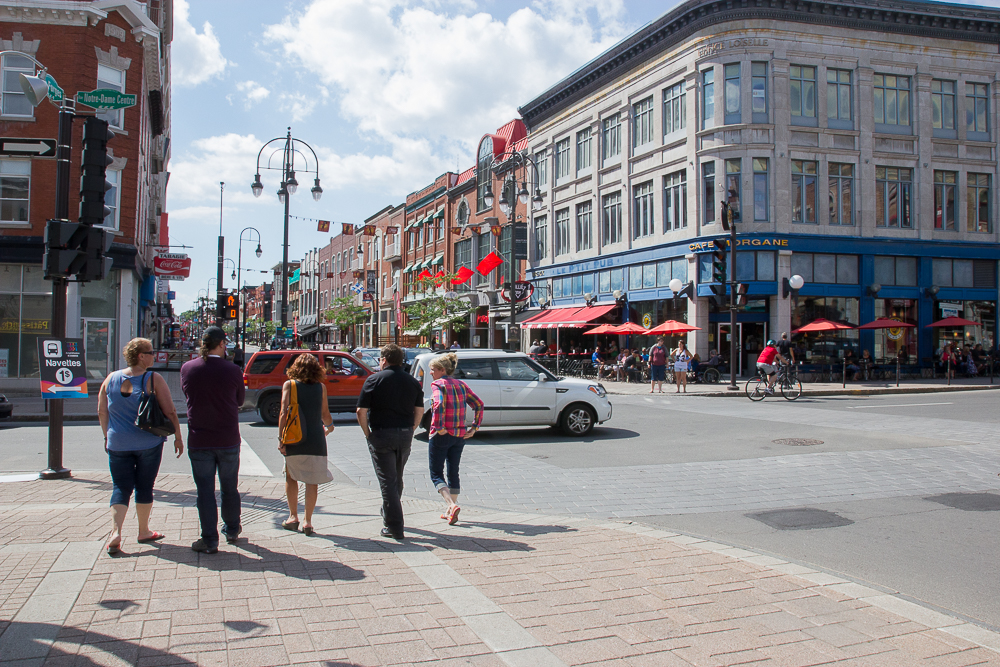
{"points": [[171, 266]]}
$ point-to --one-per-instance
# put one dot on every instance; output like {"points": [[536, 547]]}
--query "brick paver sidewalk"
{"points": [[497, 589]]}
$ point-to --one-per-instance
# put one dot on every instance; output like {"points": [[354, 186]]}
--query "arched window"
{"points": [[483, 170], [462, 215]]}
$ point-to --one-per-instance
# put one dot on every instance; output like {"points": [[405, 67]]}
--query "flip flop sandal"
{"points": [[155, 537], [114, 549]]}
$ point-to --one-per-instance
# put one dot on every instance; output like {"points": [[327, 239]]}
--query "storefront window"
{"points": [[889, 342], [25, 312], [825, 347], [983, 312]]}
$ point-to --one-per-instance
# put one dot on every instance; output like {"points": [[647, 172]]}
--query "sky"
{"points": [[389, 94]]}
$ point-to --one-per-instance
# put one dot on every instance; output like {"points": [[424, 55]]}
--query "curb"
{"points": [[868, 391]]}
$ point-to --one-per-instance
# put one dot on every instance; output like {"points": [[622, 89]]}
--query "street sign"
{"points": [[371, 282], [23, 147], [522, 291], [61, 367], [56, 93], [169, 266], [105, 98], [171, 296], [521, 241]]}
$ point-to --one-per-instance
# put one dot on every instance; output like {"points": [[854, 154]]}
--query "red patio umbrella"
{"points": [[673, 327], [628, 328], [823, 324], [885, 323], [953, 322], [602, 329]]}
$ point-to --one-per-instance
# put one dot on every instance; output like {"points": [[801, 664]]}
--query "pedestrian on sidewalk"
{"points": [[449, 397], [390, 408], [133, 454], [214, 391], [681, 359], [305, 461], [657, 365]]}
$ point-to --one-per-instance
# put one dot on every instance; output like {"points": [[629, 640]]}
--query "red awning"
{"points": [[573, 317]]}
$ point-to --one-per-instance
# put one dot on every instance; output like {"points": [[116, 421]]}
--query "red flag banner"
{"points": [[424, 275], [457, 231], [368, 230], [392, 229], [348, 229], [495, 230], [490, 262], [439, 278], [463, 275], [323, 226], [474, 228]]}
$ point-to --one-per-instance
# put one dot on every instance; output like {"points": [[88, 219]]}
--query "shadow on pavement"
{"points": [[33, 641], [524, 530], [533, 436], [417, 536]]}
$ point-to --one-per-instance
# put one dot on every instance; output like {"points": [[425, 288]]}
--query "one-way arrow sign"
{"points": [[22, 147]]}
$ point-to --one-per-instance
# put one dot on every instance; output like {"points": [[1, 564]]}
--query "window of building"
{"points": [[503, 249], [584, 140], [14, 102], [420, 236], [803, 191], [541, 237], [802, 94], [943, 108], [838, 99], [708, 191], [585, 226], [732, 90], [901, 271], [562, 231], [674, 100], [611, 217], [675, 201], [112, 198], [612, 137], [15, 190], [642, 218], [944, 199], [892, 102], [562, 159], [483, 175], [841, 194], [760, 198], [978, 202], [734, 188], [543, 172], [634, 277], [113, 79], [757, 265], [707, 99], [642, 123], [976, 105], [953, 273], [827, 269], [892, 197], [758, 92]]}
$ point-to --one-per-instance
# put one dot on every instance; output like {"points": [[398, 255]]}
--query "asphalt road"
{"points": [[878, 470]]}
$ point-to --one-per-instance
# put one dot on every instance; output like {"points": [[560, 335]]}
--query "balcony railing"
{"points": [[392, 250]]}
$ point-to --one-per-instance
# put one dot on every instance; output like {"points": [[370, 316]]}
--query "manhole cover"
{"points": [[797, 442], [970, 502], [805, 518]]}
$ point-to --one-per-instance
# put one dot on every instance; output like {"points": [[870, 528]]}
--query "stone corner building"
{"points": [[856, 140]]}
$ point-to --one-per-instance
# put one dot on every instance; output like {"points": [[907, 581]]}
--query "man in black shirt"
{"points": [[785, 347], [390, 408]]}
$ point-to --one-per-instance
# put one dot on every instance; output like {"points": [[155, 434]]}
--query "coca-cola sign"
{"points": [[171, 266]]}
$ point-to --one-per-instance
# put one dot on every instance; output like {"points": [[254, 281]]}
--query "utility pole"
{"points": [[222, 248], [733, 347]]}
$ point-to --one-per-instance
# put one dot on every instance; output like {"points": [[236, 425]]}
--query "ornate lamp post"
{"points": [[239, 270], [517, 171], [289, 185]]}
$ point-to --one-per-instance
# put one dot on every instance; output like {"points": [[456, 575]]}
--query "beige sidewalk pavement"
{"points": [[866, 388], [498, 589]]}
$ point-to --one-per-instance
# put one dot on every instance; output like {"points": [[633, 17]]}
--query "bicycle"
{"points": [[788, 382]]}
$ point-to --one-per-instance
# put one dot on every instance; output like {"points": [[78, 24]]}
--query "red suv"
{"points": [[265, 374]]}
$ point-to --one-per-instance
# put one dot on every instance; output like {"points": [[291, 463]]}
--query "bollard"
{"points": [[843, 374], [897, 370]]}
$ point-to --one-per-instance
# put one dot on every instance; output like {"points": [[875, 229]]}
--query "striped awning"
{"points": [[572, 317], [437, 260]]}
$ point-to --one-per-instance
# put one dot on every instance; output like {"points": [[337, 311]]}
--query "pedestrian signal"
{"points": [[228, 305]]}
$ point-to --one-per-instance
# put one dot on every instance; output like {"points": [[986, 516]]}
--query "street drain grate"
{"points": [[805, 518], [539, 456], [797, 442], [970, 502]]}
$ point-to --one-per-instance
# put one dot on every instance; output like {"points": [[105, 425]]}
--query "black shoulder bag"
{"points": [[150, 417]]}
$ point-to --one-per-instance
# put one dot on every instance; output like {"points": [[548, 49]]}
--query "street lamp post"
{"points": [[515, 167], [222, 248], [288, 187], [239, 271]]}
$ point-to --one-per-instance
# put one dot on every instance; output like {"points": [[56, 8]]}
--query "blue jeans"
{"points": [[442, 449], [134, 470], [204, 465]]}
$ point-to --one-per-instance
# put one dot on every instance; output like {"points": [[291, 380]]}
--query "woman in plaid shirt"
{"points": [[448, 433]]}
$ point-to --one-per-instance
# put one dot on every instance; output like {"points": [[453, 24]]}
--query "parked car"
{"points": [[518, 391], [265, 374], [411, 354], [6, 408], [369, 355]]}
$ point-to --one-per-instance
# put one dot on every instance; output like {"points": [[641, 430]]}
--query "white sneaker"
{"points": [[769, 391]]}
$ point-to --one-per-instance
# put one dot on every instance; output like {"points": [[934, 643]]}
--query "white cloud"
{"points": [[403, 70], [253, 92], [195, 58], [298, 105]]}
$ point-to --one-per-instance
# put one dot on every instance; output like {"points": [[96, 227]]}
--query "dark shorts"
{"points": [[134, 471], [657, 373]]}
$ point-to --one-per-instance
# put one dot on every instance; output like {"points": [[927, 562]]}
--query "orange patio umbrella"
{"points": [[602, 329], [823, 324], [673, 327], [628, 328]]}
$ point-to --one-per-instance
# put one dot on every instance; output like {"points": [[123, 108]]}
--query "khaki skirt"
{"points": [[308, 469]]}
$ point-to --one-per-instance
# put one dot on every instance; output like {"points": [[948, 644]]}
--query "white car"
{"points": [[517, 391]]}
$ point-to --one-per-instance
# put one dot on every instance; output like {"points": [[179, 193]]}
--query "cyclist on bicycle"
{"points": [[765, 364]]}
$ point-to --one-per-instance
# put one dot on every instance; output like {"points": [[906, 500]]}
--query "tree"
{"points": [[344, 314], [437, 311]]}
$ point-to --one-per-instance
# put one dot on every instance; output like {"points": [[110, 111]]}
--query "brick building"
{"points": [[85, 46]]}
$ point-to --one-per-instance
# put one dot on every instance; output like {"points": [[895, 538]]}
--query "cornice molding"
{"points": [[906, 17]]}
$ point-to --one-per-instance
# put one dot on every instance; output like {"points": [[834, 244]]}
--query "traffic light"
{"points": [[94, 163], [719, 256], [740, 299], [227, 305], [75, 249]]}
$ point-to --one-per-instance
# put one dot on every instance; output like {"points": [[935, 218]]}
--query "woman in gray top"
{"points": [[305, 461]]}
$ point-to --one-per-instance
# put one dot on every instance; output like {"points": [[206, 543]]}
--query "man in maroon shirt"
{"points": [[214, 391]]}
